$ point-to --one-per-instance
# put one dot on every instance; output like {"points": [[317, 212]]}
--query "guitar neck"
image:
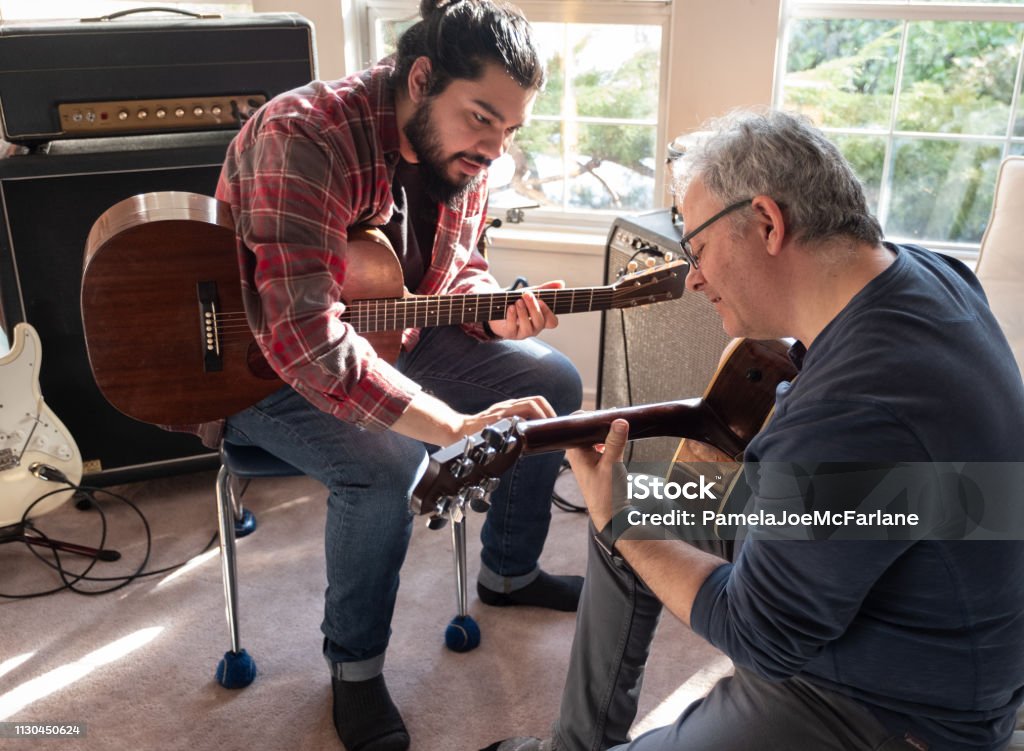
{"points": [[688, 418], [418, 311]]}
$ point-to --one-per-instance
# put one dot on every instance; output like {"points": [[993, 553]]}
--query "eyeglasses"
{"points": [[684, 241]]}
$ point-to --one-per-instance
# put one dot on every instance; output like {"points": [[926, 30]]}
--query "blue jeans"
{"points": [[370, 477]]}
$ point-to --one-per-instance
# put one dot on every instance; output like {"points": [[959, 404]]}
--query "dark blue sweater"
{"points": [[928, 634]]}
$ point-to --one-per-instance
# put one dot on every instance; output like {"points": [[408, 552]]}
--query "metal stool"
{"points": [[237, 669]]}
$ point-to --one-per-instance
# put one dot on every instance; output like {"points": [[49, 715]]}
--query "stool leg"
{"points": [[229, 570], [463, 633], [236, 669], [459, 551]]}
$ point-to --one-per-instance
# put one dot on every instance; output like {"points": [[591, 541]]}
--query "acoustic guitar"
{"points": [[165, 329], [715, 427]]}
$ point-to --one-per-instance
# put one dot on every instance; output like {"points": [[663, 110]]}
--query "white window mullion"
{"points": [[885, 189], [1015, 99]]}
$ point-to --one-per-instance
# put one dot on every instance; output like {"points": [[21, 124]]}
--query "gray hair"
{"points": [[781, 155]]}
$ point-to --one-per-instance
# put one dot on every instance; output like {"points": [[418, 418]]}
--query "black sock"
{"points": [[546, 591], [365, 717]]}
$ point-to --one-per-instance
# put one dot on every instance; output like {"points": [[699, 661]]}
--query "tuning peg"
{"points": [[498, 440], [484, 455], [436, 522], [650, 262], [669, 256], [477, 498], [631, 267], [490, 484], [462, 467]]}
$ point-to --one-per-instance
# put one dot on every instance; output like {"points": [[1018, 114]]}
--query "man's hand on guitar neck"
{"points": [[528, 316], [430, 420], [673, 569]]}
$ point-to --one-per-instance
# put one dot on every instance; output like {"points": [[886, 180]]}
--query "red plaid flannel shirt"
{"points": [[307, 167]]}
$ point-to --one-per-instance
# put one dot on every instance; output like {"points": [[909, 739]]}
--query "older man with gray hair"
{"points": [[870, 642]]}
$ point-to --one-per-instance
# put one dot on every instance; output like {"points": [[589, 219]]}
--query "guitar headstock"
{"points": [[467, 472], [664, 282]]}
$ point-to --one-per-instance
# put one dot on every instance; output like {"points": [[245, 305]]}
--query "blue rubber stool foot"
{"points": [[462, 634], [246, 525], [236, 670]]}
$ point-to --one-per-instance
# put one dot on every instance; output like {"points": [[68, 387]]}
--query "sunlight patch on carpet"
{"points": [[191, 565], [11, 663], [46, 684]]}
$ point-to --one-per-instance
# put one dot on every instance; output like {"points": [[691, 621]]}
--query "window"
{"points": [[594, 145], [922, 98]]}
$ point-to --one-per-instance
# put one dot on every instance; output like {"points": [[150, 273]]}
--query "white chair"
{"points": [[1001, 271], [1001, 263]]}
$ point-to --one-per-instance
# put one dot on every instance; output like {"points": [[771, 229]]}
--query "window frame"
{"points": [[906, 12]]}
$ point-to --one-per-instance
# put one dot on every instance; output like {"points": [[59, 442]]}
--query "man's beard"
{"points": [[426, 142]]}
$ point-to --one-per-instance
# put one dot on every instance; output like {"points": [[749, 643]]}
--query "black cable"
{"points": [[629, 380], [71, 579], [559, 501]]}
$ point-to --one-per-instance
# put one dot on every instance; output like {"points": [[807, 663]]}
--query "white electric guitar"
{"points": [[32, 440]]}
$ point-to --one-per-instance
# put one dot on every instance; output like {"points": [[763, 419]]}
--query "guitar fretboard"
{"points": [[446, 310]]}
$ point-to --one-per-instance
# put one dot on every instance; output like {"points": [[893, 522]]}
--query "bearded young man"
{"points": [[403, 146]]}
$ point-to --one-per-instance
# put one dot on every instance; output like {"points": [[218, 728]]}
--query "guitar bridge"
{"points": [[213, 360]]}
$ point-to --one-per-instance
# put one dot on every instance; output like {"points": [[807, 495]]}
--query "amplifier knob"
{"points": [[122, 115], [161, 113]]}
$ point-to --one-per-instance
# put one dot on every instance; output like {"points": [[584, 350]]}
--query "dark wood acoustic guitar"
{"points": [[715, 428], [165, 328]]}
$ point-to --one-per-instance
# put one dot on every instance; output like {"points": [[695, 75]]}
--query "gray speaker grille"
{"points": [[670, 351]]}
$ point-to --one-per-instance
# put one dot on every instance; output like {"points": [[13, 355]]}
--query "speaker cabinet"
{"points": [[49, 202], [660, 352]]}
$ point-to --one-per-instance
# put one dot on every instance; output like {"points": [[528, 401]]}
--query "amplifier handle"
{"points": [[153, 9]]}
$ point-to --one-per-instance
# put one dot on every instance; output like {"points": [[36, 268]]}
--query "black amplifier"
{"points": [[138, 74]]}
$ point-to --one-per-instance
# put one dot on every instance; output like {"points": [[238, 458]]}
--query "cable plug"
{"points": [[48, 473]]}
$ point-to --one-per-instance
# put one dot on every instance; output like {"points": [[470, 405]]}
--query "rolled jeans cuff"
{"points": [[505, 584], [361, 670]]}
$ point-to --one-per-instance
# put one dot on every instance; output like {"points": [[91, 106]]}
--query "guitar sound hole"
{"points": [[258, 364]]}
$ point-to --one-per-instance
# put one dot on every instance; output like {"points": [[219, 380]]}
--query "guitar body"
{"points": [[164, 319], [30, 433], [751, 367], [142, 316]]}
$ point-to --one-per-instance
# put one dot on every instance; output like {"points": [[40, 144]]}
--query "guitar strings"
{"points": [[368, 316]]}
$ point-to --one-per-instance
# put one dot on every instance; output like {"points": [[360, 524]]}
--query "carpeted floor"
{"points": [[136, 665]]}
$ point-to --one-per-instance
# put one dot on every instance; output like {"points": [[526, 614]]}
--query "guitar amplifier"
{"points": [[654, 353], [146, 74], [48, 203]]}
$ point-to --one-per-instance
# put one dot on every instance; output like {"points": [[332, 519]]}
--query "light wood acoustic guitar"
{"points": [[715, 428], [165, 328]]}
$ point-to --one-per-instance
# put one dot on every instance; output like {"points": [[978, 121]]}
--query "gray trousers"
{"points": [[617, 618]]}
